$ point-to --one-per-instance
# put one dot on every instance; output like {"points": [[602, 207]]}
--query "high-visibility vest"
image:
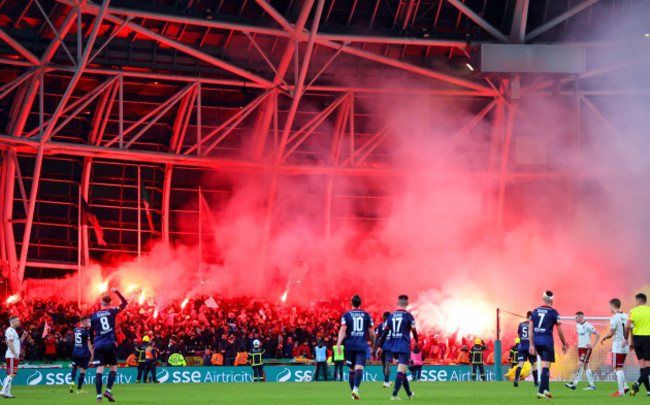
{"points": [[177, 359], [514, 352], [477, 354], [241, 359], [256, 356], [149, 354], [217, 359], [417, 359], [139, 352], [335, 354], [463, 358], [130, 361]]}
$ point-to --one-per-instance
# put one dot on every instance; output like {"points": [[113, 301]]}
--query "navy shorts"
{"points": [[402, 358], [355, 357], [81, 362], [546, 353], [106, 355]]}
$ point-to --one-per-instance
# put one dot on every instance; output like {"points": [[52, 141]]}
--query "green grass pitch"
{"points": [[316, 393]]}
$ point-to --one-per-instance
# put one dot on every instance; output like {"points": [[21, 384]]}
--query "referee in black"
{"points": [[639, 323]]}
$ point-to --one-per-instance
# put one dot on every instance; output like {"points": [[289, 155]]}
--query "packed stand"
{"points": [[223, 326]]}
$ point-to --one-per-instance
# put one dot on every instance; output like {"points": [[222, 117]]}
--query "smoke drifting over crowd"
{"points": [[579, 228]]}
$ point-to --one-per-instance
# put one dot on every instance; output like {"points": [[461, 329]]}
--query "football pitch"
{"points": [[317, 393]]}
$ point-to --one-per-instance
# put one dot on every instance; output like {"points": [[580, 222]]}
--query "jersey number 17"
{"points": [[397, 324]]}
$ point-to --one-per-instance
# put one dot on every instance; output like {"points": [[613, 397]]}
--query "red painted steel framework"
{"points": [[287, 51]]}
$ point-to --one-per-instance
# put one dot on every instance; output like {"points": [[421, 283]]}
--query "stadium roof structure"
{"points": [[92, 93]]}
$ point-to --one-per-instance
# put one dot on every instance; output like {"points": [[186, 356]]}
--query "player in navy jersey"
{"points": [[399, 326], [81, 353], [542, 322], [102, 335], [385, 362], [356, 328], [523, 351]]}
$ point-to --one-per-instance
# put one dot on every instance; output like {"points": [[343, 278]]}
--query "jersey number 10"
{"points": [[358, 324]]}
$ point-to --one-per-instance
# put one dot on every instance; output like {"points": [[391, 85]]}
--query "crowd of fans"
{"points": [[202, 328]]}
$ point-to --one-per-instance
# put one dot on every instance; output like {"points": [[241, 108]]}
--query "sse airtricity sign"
{"points": [[185, 375]]}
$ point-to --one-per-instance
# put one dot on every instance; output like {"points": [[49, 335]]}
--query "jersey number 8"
{"points": [[104, 321]]}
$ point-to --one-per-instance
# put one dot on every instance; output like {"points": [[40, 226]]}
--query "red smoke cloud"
{"points": [[581, 234]]}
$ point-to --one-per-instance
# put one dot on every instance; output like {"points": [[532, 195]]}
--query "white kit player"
{"points": [[584, 330], [13, 354], [620, 347]]}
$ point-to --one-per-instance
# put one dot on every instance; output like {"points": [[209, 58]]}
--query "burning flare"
{"points": [[103, 287], [12, 299]]}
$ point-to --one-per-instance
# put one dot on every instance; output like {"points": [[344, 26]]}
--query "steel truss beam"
{"points": [[45, 134], [94, 9], [559, 19], [480, 21], [316, 38], [287, 31], [519, 22], [26, 146], [285, 140], [18, 47], [279, 18], [269, 111], [22, 106]]}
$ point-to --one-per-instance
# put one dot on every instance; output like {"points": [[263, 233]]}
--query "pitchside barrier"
{"points": [[241, 374]]}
